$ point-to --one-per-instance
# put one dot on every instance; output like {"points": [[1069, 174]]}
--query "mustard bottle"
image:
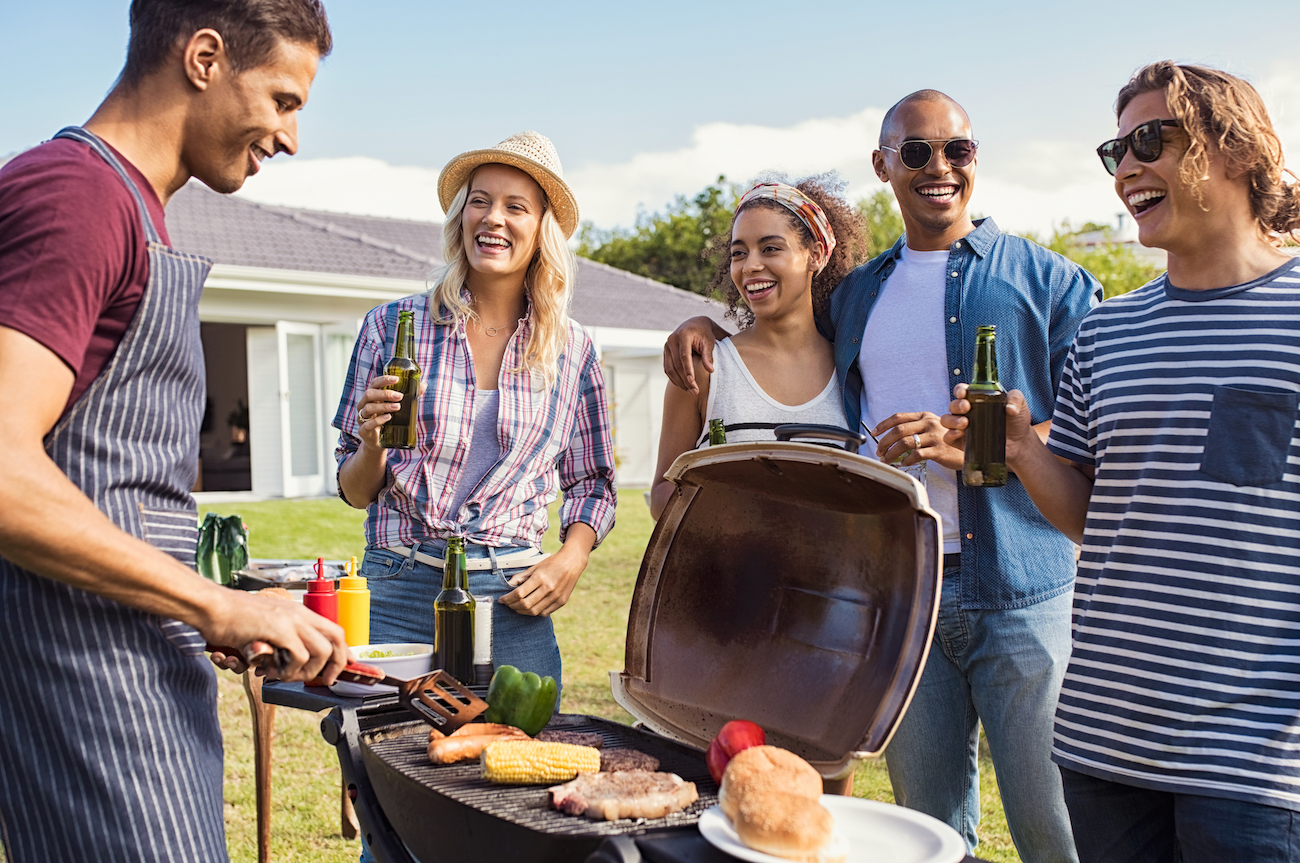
{"points": [[354, 606]]}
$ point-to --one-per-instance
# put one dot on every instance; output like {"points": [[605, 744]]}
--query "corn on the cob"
{"points": [[535, 762]]}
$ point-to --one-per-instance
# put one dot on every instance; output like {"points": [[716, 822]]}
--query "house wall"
{"points": [[636, 396]]}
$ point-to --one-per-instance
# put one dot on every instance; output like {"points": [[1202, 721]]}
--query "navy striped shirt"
{"points": [[1185, 671]]}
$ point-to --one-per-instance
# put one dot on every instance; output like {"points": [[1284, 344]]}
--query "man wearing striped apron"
{"points": [[110, 748]]}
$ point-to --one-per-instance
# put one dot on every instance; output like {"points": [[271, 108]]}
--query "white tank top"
{"points": [[748, 413]]}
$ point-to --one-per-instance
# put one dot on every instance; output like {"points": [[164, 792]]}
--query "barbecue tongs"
{"points": [[438, 698]]}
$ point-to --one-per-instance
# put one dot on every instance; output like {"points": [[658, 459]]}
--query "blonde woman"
{"points": [[515, 402]]}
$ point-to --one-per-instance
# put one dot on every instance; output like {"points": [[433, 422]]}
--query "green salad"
{"points": [[388, 654]]}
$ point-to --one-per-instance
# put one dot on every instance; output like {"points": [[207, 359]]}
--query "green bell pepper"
{"points": [[521, 698]]}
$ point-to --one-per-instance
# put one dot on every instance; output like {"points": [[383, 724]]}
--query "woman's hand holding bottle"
{"points": [[376, 408]]}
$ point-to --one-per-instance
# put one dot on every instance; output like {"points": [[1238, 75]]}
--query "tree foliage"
{"points": [[669, 247], [1115, 265], [884, 222], [673, 246]]}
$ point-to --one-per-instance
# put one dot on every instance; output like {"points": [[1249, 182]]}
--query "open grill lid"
{"points": [[790, 584]]}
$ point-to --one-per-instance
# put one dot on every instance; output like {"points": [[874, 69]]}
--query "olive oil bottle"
{"points": [[400, 430], [986, 433], [453, 616], [717, 433]]}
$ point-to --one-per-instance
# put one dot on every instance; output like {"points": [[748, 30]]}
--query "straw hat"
{"points": [[530, 152]]}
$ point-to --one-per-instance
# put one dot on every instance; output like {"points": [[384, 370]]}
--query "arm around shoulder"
{"points": [[696, 336]]}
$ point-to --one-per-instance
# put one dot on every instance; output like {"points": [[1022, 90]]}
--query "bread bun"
{"points": [[786, 825], [763, 769]]}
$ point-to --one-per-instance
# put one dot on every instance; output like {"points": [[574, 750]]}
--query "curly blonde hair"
{"points": [[548, 283], [1215, 108]]}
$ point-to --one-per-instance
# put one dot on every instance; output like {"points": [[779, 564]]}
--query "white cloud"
{"points": [[358, 184], [610, 194], [1281, 91]]}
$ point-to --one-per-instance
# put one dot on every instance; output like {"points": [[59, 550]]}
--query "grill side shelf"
{"points": [[402, 748]]}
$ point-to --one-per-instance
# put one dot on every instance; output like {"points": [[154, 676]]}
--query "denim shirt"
{"points": [[1011, 556]]}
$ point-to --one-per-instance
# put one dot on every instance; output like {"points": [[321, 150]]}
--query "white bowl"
{"points": [[412, 661]]}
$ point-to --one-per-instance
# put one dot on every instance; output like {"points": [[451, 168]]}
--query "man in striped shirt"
{"points": [[1175, 449]]}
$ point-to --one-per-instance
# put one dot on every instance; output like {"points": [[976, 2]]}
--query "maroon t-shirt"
{"points": [[74, 256]]}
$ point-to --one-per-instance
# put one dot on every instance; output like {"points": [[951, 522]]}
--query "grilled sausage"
{"points": [[449, 750]]}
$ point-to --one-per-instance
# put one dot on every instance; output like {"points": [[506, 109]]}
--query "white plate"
{"points": [[869, 831]]}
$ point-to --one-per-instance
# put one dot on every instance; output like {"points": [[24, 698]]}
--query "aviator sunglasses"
{"points": [[1144, 141], [916, 154]]}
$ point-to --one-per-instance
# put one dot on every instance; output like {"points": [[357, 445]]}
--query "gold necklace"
{"points": [[489, 331]]}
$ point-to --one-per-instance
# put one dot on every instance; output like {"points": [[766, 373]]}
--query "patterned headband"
{"points": [[801, 205]]}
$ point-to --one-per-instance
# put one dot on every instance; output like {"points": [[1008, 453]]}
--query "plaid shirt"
{"points": [[562, 433]]}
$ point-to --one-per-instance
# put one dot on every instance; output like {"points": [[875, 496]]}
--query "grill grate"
{"points": [[402, 747]]}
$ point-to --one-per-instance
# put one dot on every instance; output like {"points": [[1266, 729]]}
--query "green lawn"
{"points": [[305, 778]]}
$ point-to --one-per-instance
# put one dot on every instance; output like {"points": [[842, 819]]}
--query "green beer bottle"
{"points": [[986, 433], [717, 433], [399, 431], [453, 616]]}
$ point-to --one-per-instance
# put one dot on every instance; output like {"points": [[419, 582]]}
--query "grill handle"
{"points": [[841, 435]]}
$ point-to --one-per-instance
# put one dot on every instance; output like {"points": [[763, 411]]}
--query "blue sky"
{"points": [[645, 101]]}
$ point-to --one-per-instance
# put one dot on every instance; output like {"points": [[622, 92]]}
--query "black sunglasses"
{"points": [[917, 154], [1144, 141]]}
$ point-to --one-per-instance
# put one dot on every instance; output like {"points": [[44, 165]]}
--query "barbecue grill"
{"points": [[786, 583]]}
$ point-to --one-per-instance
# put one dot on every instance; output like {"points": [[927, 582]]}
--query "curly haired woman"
{"points": [[789, 246]]}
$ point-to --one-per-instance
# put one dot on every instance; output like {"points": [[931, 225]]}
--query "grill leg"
{"points": [[350, 828], [263, 727]]}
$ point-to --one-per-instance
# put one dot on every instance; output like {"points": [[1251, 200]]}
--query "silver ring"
{"points": [[361, 416], [916, 439]]}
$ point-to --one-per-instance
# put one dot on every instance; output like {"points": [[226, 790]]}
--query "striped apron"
{"points": [[110, 748]]}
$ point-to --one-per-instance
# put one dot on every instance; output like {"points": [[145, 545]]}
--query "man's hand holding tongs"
{"points": [[306, 645]]}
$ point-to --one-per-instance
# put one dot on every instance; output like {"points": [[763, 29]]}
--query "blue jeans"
{"points": [[401, 607], [1002, 668], [1118, 823]]}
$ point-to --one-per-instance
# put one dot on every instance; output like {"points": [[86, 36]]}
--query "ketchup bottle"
{"points": [[322, 599], [321, 596]]}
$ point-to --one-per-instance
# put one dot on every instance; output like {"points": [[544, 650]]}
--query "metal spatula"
{"points": [[438, 698]]}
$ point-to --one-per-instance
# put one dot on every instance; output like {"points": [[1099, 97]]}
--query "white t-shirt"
{"points": [[904, 365]]}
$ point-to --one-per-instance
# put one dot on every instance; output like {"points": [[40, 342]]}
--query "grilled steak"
{"points": [[614, 760], [576, 738], [626, 794]]}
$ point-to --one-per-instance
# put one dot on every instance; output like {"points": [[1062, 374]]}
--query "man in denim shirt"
{"points": [[904, 331]]}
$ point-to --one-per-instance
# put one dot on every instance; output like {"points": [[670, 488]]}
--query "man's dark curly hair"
{"points": [[850, 243]]}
